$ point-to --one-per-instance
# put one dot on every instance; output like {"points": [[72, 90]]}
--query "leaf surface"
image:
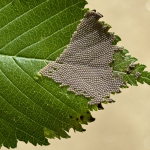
{"points": [[34, 108], [32, 33], [121, 65]]}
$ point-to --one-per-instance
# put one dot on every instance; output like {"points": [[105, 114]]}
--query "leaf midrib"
{"points": [[40, 86], [44, 88], [26, 58]]}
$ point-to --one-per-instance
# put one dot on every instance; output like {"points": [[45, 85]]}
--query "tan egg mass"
{"points": [[84, 65]]}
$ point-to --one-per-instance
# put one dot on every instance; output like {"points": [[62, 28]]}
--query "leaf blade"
{"points": [[27, 95]]}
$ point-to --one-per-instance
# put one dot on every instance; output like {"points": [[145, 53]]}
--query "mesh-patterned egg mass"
{"points": [[84, 65]]}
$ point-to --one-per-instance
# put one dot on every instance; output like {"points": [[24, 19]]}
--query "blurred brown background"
{"points": [[125, 124]]}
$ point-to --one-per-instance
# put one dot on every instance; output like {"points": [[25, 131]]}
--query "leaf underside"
{"points": [[34, 108]]}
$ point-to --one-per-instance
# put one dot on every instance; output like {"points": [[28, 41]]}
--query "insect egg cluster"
{"points": [[84, 65]]}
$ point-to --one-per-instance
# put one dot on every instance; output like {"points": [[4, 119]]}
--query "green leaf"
{"points": [[32, 33], [34, 108], [121, 65], [144, 77]]}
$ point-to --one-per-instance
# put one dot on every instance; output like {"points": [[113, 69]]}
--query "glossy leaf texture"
{"points": [[34, 108], [32, 33]]}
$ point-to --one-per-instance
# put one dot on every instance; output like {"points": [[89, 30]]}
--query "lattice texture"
{"points": [[84, 65]]}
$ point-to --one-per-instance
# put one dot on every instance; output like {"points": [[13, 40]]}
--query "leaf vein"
{"points": [[5, 6], [20, 113], [45, 38], [43, 87], [21, 15], [35, 27], [32, 101], [56, 51]]}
